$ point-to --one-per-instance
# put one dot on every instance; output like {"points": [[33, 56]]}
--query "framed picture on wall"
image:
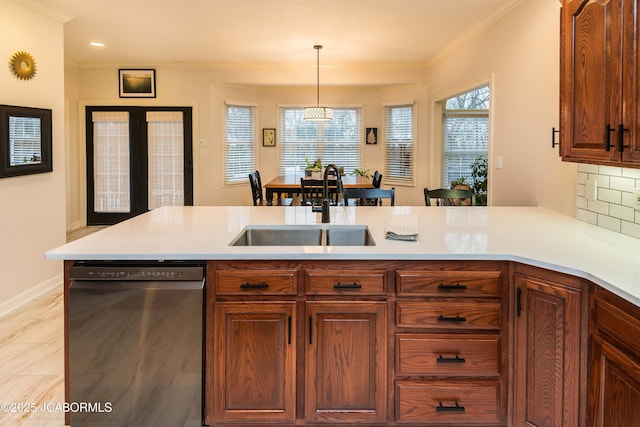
{"points": [[137, 83], [268, 137], [25, 141], [371, 136]]}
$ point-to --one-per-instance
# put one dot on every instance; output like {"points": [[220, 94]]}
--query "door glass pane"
{"points": [[166, 158], [111, 161]]}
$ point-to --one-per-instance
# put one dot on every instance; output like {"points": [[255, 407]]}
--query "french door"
{"points": [[138, 159]]}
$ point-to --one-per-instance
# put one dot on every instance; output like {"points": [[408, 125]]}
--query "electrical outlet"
{"points": [[636, 199]]}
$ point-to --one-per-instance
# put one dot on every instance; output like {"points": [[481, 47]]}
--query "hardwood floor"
{"points": [[31, 363]]}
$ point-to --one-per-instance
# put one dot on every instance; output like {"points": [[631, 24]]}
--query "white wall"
{"points": [[32, 207], [518, 54]]}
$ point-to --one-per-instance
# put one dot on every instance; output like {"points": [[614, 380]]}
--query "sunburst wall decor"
{"points": [[23, 65]]}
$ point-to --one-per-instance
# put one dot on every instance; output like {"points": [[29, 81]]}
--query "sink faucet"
{"points": [[325, 190]]}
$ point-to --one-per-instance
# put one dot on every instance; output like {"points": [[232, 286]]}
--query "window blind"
{"points": [[165, 137], [111, 161], [399, 161], [240, 136], [466, 136], [338, 141]]}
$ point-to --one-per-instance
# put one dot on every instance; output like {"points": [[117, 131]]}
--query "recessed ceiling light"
{"points": [[96, 44]]}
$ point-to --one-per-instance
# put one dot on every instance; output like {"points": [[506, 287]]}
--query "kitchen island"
{"points": [[476, 269]]}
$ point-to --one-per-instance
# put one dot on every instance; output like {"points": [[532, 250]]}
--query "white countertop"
{"points": [[534, 236]]}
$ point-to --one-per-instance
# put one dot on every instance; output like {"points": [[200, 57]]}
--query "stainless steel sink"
{"points": [[349, 235], [278, 236], [304, 235]]}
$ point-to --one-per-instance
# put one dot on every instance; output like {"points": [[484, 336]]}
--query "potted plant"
{"points": [[479, 169], [313, 169], [361, 172], [460, 183]]}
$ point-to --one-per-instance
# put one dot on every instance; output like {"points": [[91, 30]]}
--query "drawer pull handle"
{"points": [[456, 359], [262, 285], [353, 285], [442, 408], [457, 286], [442, 318]]}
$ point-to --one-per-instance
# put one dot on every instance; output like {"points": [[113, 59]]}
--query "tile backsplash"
{"points": [[615, 198]]}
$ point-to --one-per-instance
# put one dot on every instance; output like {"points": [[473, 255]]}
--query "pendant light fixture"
{"points": [[318, 113]]}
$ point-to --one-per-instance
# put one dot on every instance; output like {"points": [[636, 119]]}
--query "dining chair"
{"points": [[369, 196], [377, 179], [256, 191], [450, 197], [311, 192]]}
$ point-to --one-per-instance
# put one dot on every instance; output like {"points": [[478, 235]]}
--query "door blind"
{"points": [[165, 138], [111, 161]]}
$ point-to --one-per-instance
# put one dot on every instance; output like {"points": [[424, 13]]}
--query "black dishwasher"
{"points": [[136, 344]]}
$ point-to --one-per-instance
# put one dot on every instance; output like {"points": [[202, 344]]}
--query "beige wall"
{"points": [[32, 207], [517, 55]]}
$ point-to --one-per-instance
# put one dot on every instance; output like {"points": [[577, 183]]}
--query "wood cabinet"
{"points": [[346, 356], [358, 342], [255, 357], [614, 377], [450, 343], [599, 67], [550, 344]]}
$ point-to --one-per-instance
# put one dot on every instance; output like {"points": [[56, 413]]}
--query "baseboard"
{"points": [[21, 299]]}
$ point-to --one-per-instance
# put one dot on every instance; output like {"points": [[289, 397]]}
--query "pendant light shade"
{"points": [[318, 113]]}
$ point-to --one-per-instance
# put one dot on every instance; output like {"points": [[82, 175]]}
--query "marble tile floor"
{"points": [[31, 363]]}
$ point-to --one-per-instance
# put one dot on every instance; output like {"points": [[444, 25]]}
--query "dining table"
{"points": [[290, 185]]}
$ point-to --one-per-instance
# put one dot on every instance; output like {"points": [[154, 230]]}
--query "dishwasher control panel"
{"points": [[131, 272]]}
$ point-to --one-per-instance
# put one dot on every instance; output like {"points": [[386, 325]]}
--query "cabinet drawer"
{"points": [[447, 355], [617, 325], [448, 283], [353, 282], [451, 315], [256, 282], [447, 402]]}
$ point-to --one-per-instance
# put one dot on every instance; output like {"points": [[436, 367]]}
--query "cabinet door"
{"points": [[591, 83], [547, 353], [254, 363], [630, 86], [346, 371], [615, 388]]}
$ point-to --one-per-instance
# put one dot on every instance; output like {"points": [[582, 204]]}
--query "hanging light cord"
{"points": [[317, 48]]}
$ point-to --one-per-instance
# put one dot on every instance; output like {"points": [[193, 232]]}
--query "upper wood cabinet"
{"points": [[599, 112]]}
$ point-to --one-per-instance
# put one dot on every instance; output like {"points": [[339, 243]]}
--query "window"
{"points": [[240, 137], [399, 163], [338, 141], [465, 133]]}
